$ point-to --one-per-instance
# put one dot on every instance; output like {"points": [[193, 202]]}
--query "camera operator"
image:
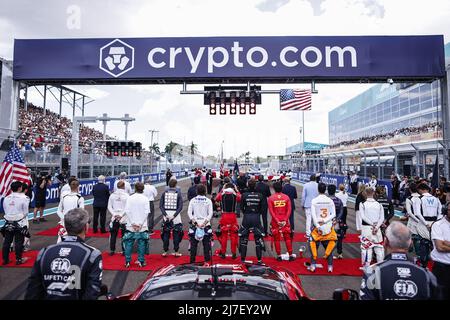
{"points": [[69, 270], [16, 224], [43, 182]]}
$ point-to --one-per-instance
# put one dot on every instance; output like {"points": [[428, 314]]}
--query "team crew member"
{"points": [[241, 183], [70, 201], [291, 192], [116, 206], [397, 278], [280, 210], [373, 183], [252, 206], [171, 205], [323, 212], [209, 181], [136, 211], [341, 226], [372, 216], [123, 177], [388, 207], [360, 198], [228, 198], [192, 191], [430, 211], [101, 195], [66, 188], [200, 212], [412, 206], [25, 192], [150, 192], [15, 206], [309, 192], [353, 182], [440, 234], [264, 189], [69, 270]]}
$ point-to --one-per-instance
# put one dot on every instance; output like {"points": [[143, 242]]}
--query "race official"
{"points": [[136, 210], [69, 270], [150, 192], [323, 212], [398, 278], [252, 203], [372, 216], [200, 213], [116, 206], [440, 234], [15, 228], [101, 195], [70, 201]]}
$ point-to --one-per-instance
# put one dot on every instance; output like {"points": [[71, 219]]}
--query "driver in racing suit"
{"points": [[68, 202], [280, 210], [200, 212], [323, 211], [252, 204], [70, 269], [228, 225]]}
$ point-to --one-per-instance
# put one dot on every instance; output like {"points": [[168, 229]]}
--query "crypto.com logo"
{"points": [[116, 58]]}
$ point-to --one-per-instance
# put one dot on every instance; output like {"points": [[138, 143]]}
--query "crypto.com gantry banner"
{"points": [[233, 58]]}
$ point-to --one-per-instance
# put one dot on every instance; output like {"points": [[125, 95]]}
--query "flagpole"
{"points": [[303, 134]]}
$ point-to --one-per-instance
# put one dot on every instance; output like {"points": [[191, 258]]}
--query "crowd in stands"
{"points": [[408, 131], [42, 132]]}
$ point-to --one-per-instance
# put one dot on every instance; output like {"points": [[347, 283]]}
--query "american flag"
{"points": [[13, 169], [295, 99]]}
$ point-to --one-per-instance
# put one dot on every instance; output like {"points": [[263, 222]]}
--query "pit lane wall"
{"points": [[304, 176], [86, 186]]}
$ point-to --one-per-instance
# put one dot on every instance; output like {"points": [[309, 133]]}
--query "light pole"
{"points": [[151, 148]]}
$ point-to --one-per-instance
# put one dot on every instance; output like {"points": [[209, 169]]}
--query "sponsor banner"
{"points": [[320, 58], [341, 179]]}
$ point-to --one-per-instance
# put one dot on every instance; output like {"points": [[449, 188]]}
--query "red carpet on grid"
{"points": [[298, 237], [344, 267]]}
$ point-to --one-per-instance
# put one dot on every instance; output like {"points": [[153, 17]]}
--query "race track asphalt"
{"points": [[13, 281]]}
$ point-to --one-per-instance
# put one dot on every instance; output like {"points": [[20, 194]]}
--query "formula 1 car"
{"points": [[246, 281]]}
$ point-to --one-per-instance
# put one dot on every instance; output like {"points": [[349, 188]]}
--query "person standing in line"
{"points": [[116, 206], [291, 192], [372, 216], [342, 221], [395, 190], [15, 206], [27, 235], [322, 213], [66, 187], [192, 191], [70, 201], [171, 205], [42, 183], [373, 182], [137, 209], [150, 192], [360, 198], [412, 207], [264, 189], [430, 212], [280, 210], [310, 191], [209, 181], [200, 212], [338, 225], [56, 265], [101, 195], [123, 177], [354, 182], [440, 234], [168, 176]]}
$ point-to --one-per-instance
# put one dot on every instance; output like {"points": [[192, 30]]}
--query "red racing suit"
{"points": [[229, 226], [280, 210]]}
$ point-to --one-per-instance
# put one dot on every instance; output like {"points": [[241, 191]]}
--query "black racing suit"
{"points": [[252, 203], [69, 270], [398, 278], [171, 201]]}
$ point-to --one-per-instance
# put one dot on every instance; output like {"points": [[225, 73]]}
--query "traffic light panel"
{"points": [[123, 149], [138, 149]]}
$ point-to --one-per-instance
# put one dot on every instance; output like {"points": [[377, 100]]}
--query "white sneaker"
{"points": [[330, 269]]}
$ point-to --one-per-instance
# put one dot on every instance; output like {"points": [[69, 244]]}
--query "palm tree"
{"points": [[170, 147], [155, 149]]}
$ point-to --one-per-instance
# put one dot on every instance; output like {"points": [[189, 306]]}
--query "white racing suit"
{"points": [[70, 201], [200, 212], [372, 216]]}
